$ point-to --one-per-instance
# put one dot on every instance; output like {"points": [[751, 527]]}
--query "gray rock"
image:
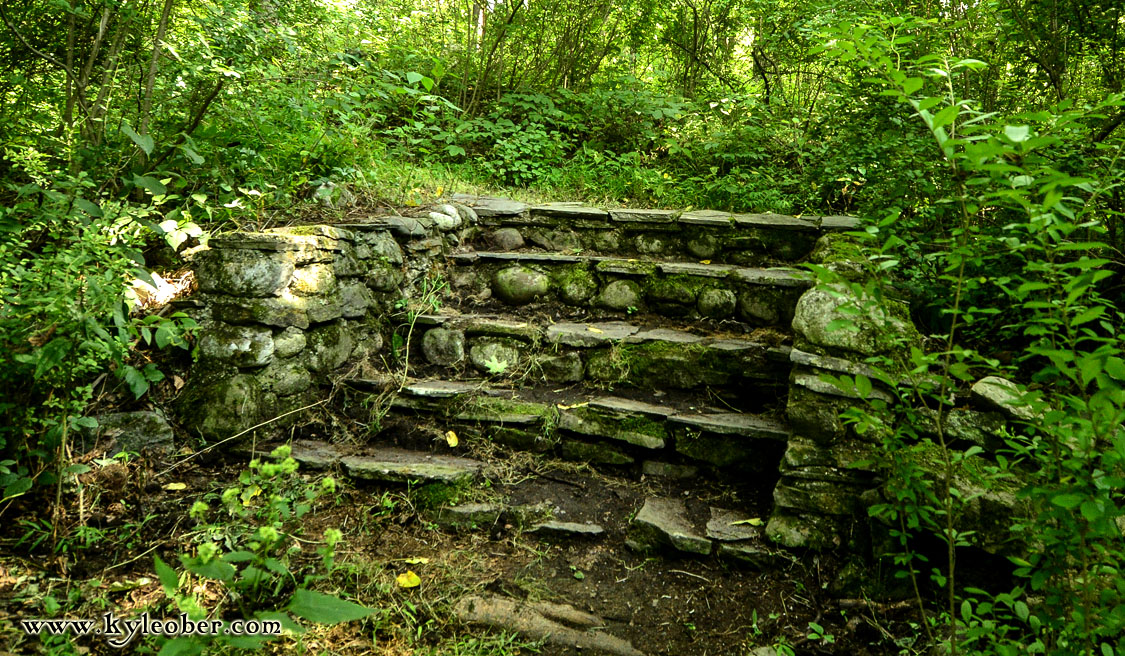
{"points": [[643, 216], [444, 222], [543, 621], [467, 214], [567, 529], [443, 347], [400, 466], [717, 303], [651, 244], [566, 368], [469, 516], [696, 269], [996, 393], [712, 218], [729, 526], [506, 239], [439, 389], [328, 347], [757, 306], [595, 454], [241, 272], [226, 408], [355, 298], [703, 245], [589, 334], [815, 532], [496, 207], [663, 522], [281, 311], [133, 432], [606, 241], [406, 227], [286, 379], [638, 431], [313, 279], [519, 285], [756, 557], [576, 285], [494, 357], [873, 331], [620, 295], [289, 342], [241, 346], [559, 239]]}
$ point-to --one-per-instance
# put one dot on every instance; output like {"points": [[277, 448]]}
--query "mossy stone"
{"points": [[879, 328], [289, 342], [759, 307], [244, 272], [225, 408], [328, 347], [506, 239], [313, 279], [595, 454], [519, 285], [563, 368], [703, 245], [576, 285], [606, 241], [241, 346], [717, 303], [443, 347], [495, 358], [651, 244], [620, 295], [286, 378]]}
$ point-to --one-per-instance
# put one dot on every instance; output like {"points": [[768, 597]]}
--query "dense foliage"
{"points": [[982, 140]]}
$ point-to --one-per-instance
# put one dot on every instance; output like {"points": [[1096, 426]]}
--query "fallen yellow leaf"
{"points": [[451, 438], [439, 190], [594, 330], [417, 560], [705, 261], [571, 407], [753, 521], [408, 579], [173, 487]]}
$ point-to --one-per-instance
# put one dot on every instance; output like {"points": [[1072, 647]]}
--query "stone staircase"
{"points": [[647, 342]]}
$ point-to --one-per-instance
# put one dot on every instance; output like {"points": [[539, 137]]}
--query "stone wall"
{"points": [[282, 309]]}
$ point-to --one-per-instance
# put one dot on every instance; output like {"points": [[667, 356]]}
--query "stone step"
{"points": [[597, 353], [757, 296], [743, 239], [667, 524], [588, 426], [385, 465]]}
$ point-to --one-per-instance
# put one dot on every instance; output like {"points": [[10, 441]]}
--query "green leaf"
{"points": [[238, 557], [863, 385], [150, 184], [1088, 315], [325, 609], [414, 78], [17, 488], [214, 569], [1017, 133], [88, 207], [1067, 501], [287, 622], [195, 157], [182, 646], [169, 579], [143, 141], [1091, 511]]}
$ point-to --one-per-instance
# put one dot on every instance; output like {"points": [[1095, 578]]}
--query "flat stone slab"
{"points": [[439, 389], [643, 216], [478, 325], [731, 526], [663, 522], [666, 335], [774, 222], [668, 470], [694, 269], [813, 383], [469, 515], [313, 454], [753, 555], [401, 466], [490, 207], [707, 218], [589, 334], [569, 211], [623, 266], [797, 356], [557, 624], [491, 256], [733, 423], [773, 277], [607, 427], [996, 393], [567, 529], [629, 406]]}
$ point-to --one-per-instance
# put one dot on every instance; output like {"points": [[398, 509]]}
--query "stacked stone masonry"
{"points": [[649, 301]]}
